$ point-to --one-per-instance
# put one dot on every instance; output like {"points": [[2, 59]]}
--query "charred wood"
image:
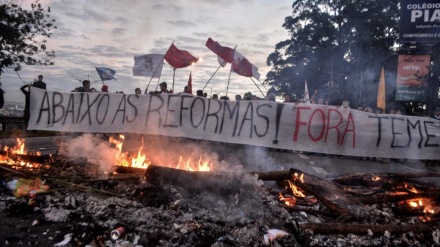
{"points": [[310, 182], [273, 175], [194, 181], [376, 180], [385, 198], [128, 169]]}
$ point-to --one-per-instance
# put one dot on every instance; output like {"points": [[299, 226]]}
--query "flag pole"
{"points": [[212, 76], [257, 86], [146, 89], [230, 72], [227, 87], [261, 83], [158, 80], [174, 75]]}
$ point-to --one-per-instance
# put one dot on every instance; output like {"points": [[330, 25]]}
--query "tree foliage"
{"points": [[23, 35], [343, 41]]}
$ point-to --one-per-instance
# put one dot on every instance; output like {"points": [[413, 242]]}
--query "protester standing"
{"points": [[39, 83], [85, 88], [104, 88], [25, 89], [163, 88]]}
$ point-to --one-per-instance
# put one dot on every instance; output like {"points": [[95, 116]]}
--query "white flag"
{"points": [[243, 67], [306, 94], [221, 61], [148, 65]]}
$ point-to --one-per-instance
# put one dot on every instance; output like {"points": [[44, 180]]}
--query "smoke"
{"points": [[164, 151], [91, 148]]}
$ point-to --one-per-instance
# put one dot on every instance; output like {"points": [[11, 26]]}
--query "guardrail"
{"points": [[11, 123]]}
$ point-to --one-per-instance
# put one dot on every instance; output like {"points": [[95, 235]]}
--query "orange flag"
{"points": [[381, 91], [189, 86]]}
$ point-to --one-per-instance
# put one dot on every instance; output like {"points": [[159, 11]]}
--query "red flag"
{"points": [[223, 52], [243, 67], [189, 86], [179, 58]]}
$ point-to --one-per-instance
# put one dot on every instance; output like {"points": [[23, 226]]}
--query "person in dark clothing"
{"points": [[85, 88], [163, 88], [26, 115], [25, 89], [39, 83]]}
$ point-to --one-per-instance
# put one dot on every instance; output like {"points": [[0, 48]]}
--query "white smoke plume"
{"points": [[93, 149]]}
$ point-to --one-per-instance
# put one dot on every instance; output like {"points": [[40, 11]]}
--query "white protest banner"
{"points": [[304, 127]]}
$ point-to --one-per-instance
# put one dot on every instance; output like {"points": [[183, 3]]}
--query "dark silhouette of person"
{"points": [[25, 89], [85, 88], [163, 88], [39, 83]]}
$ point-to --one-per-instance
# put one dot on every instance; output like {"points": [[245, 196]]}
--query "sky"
{"points": [[110, 33]]}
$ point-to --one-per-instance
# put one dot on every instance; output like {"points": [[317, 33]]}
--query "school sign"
{"points": [[419, 21]]}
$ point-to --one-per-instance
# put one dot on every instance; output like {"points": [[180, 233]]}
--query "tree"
{"points": [[341, 41], [23, 36]]}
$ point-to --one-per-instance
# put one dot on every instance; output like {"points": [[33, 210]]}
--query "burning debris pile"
{"points": [[187, 193]]}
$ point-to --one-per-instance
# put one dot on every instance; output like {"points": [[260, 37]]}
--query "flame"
{"points": [[18, 149], [298, 177], [289, 201], [122, 159], [15, 162], [410, 188], [202, 166], [424, 205], [141, 160], [295, 190]]}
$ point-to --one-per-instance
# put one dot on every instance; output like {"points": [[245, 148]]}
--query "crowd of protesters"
{"points": [[288, 98]]}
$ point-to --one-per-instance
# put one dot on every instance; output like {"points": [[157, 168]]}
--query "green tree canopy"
{"points": [[341, 41], [23, 35]]}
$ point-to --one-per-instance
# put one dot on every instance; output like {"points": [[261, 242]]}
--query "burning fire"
{"points": [[141, 160], [295, 190], [410, 188], [122, 159], [202, 166], [289, 201], [15, 162], [297, 193], [422, 203]]}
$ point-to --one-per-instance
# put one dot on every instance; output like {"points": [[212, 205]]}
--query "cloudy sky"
{"points": [[109, 33]]}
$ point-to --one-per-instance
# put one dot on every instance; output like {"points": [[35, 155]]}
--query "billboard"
{"points": [[419, 21], [412, 78]]}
